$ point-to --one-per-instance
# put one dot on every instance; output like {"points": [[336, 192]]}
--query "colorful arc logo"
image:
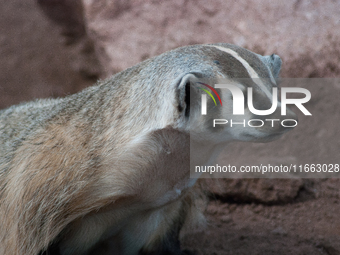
{"points": [[213, 90]]}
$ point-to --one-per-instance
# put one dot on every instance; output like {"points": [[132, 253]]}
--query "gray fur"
{"points": [[110, 164]]}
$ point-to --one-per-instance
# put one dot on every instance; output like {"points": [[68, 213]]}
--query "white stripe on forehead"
{"points": [[249, 69]]}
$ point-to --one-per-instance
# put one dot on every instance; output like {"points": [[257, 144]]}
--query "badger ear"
{"points": [[184, 83], [274, 63]]}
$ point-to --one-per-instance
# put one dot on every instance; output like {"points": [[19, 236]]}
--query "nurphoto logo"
{"points": [[238, 103]]}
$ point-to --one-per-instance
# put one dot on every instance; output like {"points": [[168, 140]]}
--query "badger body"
{"points": [[106, 170]]}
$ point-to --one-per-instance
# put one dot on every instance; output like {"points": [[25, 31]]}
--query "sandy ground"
{"points": [[309, 224]]}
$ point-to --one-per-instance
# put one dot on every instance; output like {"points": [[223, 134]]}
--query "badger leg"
{"points": [[169, 243], [165, 240], [151, 232]]}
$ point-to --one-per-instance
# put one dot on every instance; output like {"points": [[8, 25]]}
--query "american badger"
{"points": [[106, 170]]}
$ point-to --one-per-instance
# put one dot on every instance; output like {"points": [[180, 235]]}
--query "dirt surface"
{"points": [[307, 224], [57, 47]]}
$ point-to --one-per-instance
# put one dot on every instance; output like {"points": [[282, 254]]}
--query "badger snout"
{"points": [[277, 123]]}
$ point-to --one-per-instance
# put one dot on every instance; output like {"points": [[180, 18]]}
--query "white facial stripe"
{"points": [[272, 77], [249, 69]]}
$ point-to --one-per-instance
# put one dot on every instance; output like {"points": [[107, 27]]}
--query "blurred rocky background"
{"points": [[52, 48]]}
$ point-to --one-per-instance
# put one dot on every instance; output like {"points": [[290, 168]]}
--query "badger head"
{"points": [[229, 93]]}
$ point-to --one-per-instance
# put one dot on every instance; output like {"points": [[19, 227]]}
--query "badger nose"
{"points": [[277, 123]]}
